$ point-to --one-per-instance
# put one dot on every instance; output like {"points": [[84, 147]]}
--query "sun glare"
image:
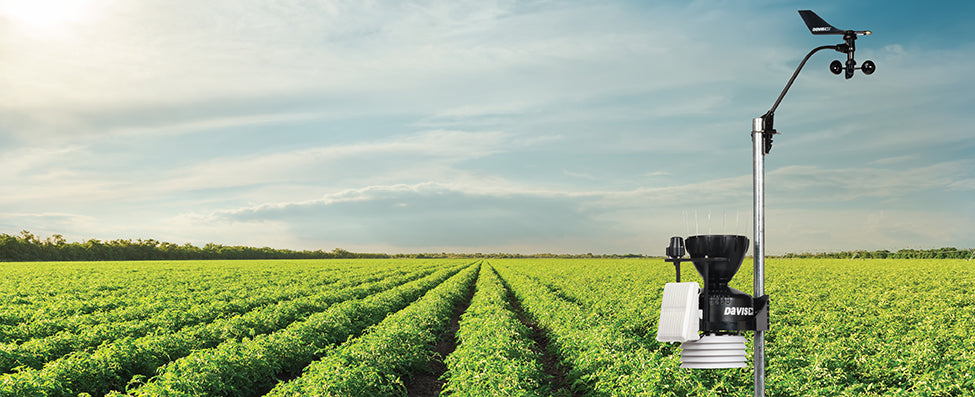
{"points": [[44, 15]]}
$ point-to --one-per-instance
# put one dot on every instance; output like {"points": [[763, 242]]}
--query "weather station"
{"points": [[709, 321]]}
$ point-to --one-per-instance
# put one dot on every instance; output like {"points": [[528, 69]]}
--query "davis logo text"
{"points": [[738, 311]]}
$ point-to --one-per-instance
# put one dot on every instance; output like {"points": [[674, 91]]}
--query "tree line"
{"points": [[28, 247], [940, 253]]}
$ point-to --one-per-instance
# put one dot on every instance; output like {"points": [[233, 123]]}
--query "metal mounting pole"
{"points": [[758, 165], [762, 133]]}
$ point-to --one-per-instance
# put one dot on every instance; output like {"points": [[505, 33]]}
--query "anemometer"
{"points": [[709, 321]]}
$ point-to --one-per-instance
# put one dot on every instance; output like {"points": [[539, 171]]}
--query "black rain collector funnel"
{"points": [[724, 255]]}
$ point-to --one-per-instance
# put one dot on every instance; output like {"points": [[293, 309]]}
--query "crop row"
{"points": [[249, 366], [35, 352], [876, 327], [872, 327], [381, 361], [601, 358], [179, 299], [112, 365], [617, 290], [495, 355], [63, 290], [839, 327]]}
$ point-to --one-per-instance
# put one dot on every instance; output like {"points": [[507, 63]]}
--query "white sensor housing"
{"points": [[680, 315], [714, 351]]}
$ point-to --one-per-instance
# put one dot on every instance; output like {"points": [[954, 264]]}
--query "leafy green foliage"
{"points": [[28, 247], [839, 327], [939, 253], [603, 358], [875, 327], [495, 356], [163, 310], [379, 362], [239, 368], [112, 364]]}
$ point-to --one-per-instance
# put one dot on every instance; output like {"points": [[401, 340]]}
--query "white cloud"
{"points": [[897, 159], [962, 184], [428, 151], [805, 183], [428, 216], [422, 215], [619, 115], [830, 230], [161, 54], [54, 222]]}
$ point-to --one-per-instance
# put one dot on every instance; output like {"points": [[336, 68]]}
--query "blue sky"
{"points": [[482, 126]]}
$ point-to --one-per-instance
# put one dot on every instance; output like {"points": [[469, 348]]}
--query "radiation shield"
{"points": [[714, 351]]}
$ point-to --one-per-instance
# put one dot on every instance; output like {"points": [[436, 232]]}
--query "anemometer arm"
{"points": [[767, 120], [817, 26], [796, 74]]}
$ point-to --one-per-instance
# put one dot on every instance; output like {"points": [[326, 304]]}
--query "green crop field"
{"points": [[466, 327]]}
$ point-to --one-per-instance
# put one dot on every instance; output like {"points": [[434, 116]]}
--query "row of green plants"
{"points": [[162, 307], [839, 327], [600, 356], [176, 302], [78, 334], [32, 295], [495, 355], [879, 327], [616, 290], [591, 351], [381, 361], [37, 301], [112, 365], [251, 366]]}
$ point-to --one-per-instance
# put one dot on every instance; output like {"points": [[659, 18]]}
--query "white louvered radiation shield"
{"points": [[714, 351]]}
